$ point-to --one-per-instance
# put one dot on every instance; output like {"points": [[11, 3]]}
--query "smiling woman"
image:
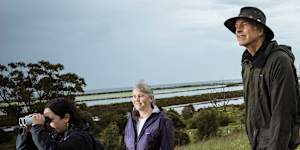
{"points": [[147, 127]]}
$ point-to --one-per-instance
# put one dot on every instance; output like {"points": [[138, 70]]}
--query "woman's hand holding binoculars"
{"points": [[33, 119], [38, 119]]}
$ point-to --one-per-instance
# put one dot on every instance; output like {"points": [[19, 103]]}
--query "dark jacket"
{"points": [[156, 134], [24, 140], [271, 96], [41, 139]]}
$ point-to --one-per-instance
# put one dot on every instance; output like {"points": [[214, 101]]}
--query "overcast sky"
{"points": [[115, 43]]}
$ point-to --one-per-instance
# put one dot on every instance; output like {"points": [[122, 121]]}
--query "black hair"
{"points": [[62, 106]]}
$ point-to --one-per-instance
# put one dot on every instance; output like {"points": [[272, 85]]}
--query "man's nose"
{"points": [[238, 28]]}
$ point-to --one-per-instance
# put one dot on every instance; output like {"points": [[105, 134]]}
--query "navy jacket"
{"points": [[41, 139], [156, 134]]}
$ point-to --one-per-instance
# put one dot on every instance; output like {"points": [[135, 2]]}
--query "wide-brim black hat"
{"points": [[252, 13]]}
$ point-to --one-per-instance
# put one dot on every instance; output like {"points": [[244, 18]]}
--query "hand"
{"points": [[38, 119]]}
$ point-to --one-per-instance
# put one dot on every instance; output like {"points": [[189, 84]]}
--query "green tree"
{"points": [[15, 87], [118, 117], [112, 140], [24, 84], [206, 123], [176, 119], [48, 80], [181, 138], [188, 111]]}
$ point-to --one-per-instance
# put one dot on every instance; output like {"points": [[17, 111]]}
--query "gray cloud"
{"points": [[115, 43]]}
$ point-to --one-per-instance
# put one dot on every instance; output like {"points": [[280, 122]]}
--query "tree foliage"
{"points": [[118, 117], [181, 138], [188, 111], [207, 123], [176, 119], [111, 137], [24, 84]]}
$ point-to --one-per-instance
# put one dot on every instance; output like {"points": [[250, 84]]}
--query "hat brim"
{"points": [[230, 24]]}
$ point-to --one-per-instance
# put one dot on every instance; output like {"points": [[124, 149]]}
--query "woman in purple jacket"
{"points": [[147, 128]]}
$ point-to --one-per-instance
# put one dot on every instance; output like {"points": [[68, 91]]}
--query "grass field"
{"points": [[235, 141]]}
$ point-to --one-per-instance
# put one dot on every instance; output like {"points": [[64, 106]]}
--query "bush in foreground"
{"points": [[206, 123]]}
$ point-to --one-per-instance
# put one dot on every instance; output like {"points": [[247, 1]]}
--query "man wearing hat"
{"points": [[270, 83]]}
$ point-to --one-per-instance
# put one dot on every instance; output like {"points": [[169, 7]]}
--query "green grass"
{"points": [[235, 141], [231, 137]]}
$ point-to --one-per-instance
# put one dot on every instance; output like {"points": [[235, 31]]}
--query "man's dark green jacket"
{"points": [[271, 96]]}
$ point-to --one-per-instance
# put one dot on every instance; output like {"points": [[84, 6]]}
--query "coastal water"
{"points": [[167, 91], [162, 93], [207, 104]]}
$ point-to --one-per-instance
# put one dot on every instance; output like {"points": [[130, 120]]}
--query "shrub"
{"points": [[188, 111], [181, 138], [206, 123], [111, 137], [223, 119], [87, 117], [106, 118], [176, 119]]}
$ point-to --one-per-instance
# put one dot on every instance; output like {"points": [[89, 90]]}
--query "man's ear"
{"points": [[261, 31]]}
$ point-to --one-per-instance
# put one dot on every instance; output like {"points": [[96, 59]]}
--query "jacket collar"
{"points": [[155, 109], [260, 57], [153, 117], [135, 113]]}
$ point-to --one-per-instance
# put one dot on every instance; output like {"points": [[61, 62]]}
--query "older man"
{"points": [[270, 83]]}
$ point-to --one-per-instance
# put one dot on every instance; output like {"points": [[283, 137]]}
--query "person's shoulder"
{"points": [[81, 137], [280, 52], [280, 58], [78, 135], [165, 121], [163, 116]]}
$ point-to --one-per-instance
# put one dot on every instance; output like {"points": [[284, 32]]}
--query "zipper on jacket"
{"points": [[135, 145]]}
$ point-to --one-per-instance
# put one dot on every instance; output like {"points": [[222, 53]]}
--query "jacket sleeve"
{"points": [[167, 135], [24, 140], [283, 93], [43, 140], [129, 135]]}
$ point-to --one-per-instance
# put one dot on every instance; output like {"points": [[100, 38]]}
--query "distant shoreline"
{"points": [[158, 89], [163, 86], [178, 100]]}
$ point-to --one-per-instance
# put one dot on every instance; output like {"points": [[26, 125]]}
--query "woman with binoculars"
{"points": [[67, 131]]}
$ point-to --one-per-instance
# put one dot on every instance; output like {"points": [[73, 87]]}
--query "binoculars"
{"points": [[27, 121]]}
